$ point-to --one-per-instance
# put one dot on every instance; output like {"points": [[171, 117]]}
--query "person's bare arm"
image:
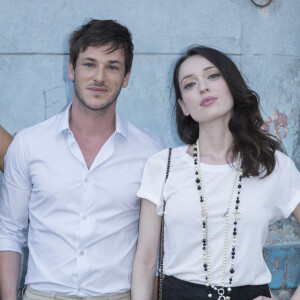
{"points": [[10, 260], [296, 295], [5, 140], [10, 263], [145, 261], [296, 214], [155, 289]]}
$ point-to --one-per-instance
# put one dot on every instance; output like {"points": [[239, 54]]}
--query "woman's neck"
{"points": [[214, 144]]}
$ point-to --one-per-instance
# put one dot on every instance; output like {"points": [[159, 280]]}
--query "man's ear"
{"points": [[126, 79], [71, 71], [183, 107]]}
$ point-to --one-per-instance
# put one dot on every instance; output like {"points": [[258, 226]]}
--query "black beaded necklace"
{"points": [[222, 290]]}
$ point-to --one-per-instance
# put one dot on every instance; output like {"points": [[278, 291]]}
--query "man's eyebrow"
{"points": [[115, 62], [89, 59]]}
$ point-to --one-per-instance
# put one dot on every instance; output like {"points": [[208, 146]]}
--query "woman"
{"points": [[5, 140], [224, 188]]}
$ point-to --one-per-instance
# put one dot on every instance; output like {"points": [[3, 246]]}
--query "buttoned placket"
{"points": [[87, 180]]}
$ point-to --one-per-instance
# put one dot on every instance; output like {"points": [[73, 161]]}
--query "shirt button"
{"points": [[84, 217], [81, 253], [86, 179]]}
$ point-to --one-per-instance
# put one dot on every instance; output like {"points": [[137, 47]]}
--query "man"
{"points": [[75, 177], [5, 140]]}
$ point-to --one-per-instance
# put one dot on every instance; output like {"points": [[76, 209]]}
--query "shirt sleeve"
{"points": [[288, 185], [14, 198], [153, 180]]}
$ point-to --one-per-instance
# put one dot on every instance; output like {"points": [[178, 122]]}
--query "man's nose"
{"points": [[99, 74]]}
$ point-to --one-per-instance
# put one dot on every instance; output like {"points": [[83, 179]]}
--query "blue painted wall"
{"points": [[263, 42]]}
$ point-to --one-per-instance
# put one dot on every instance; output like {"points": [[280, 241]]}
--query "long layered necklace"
{"points": [[205, 229]]}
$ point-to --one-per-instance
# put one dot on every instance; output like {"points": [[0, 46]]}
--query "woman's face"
{"points": [[205, 93]]}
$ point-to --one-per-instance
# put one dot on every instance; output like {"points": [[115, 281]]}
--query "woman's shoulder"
{"points": [[161, 157], [282, 158], [284, 163]]}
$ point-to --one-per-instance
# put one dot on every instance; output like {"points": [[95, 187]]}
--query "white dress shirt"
{"points": [[83, 223]]}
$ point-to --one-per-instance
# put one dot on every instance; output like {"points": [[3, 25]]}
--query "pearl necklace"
{"points": [[205, 230]]}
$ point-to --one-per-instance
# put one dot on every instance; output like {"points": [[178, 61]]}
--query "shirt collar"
{"points": [[63, 123], [121, 126]]}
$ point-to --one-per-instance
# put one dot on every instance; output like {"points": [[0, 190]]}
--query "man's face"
{"points": [[99, 77]]}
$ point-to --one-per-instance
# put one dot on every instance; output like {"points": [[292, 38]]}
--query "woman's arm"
{"points": [[296, 295], [145, 261], [296, 214], [5, 140]]}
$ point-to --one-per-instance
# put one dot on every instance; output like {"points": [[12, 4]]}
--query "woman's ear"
{"points": [[182, 105]]}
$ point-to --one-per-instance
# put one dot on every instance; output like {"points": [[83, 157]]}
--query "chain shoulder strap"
{"points": [[162, 235]]}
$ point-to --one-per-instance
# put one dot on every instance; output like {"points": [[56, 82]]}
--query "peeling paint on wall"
{"points": [[284, 264], [279, 122]]}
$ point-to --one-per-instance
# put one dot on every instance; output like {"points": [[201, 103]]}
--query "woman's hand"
{"points": [[296, 213], [266, 298]]}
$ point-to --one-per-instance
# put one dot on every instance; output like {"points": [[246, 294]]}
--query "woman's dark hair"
{"points": [[256, 145], [101, 33]]}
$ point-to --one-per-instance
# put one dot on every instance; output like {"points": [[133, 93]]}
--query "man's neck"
{"points": [[91, 129], [89, 123]]}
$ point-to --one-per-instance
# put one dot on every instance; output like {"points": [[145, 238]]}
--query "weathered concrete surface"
{"points": [[284, 263], [278, 86], [34, 88], [157, 26], [264, 42]]}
